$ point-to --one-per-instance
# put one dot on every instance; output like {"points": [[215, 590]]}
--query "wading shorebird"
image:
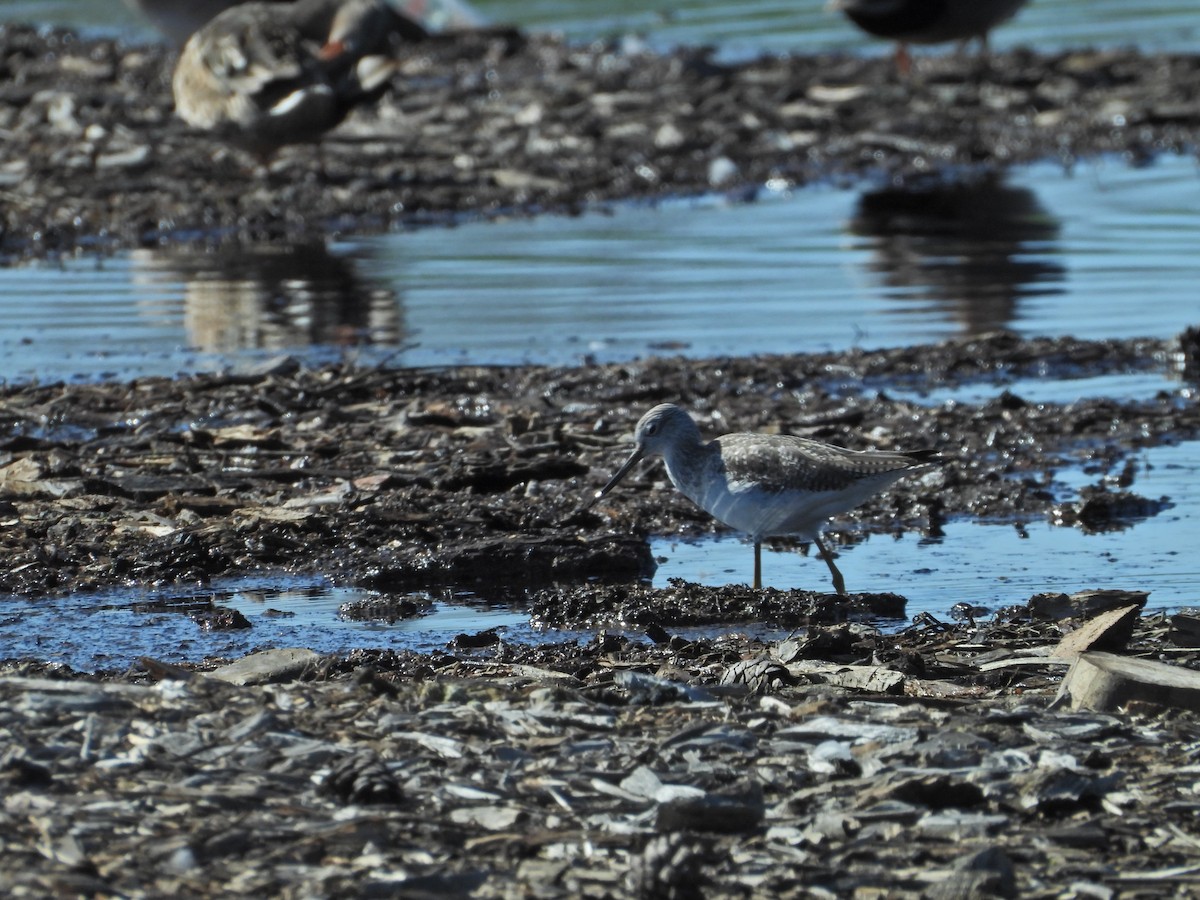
{"points": [[263, 75], [927, 21], [766, 485]]}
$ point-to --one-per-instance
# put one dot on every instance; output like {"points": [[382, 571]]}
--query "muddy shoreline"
{"points": [[398, 480], [94, 160], [934, 762]]}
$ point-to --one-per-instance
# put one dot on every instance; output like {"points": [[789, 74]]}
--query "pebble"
{"points": [[529, 122], [202, 785]]}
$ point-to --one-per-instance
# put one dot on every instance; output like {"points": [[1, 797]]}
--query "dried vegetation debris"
{"points": [[94, 158], [399, 480], [620, 769]]}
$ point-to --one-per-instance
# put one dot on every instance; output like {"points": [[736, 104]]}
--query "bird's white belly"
{"points": [[760, 514]]}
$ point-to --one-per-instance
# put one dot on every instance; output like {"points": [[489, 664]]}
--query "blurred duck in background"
{"points": [[263, 75], [178, 20], [927, 21]]}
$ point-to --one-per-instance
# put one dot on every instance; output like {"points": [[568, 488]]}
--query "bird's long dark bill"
{"points": [[621, 472]]}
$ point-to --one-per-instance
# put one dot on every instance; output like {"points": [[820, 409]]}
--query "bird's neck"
{"points": [[684, 460]]}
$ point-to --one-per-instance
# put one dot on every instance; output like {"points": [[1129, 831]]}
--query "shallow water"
{"points": [[111, 630], [991, 565], [820, 268], [1104, 251], [1137, 386]]}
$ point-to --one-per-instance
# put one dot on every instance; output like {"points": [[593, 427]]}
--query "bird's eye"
{"points": [[651, 429]]}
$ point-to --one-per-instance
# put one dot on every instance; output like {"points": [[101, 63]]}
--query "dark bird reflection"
{"points": [[972, 249], [275, 297]]}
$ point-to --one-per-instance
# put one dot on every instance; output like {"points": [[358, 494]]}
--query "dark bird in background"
{"points": [[927, 21]]}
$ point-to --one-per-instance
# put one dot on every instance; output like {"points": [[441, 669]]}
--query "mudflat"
{"points": [[505, 123], [930, 762]]}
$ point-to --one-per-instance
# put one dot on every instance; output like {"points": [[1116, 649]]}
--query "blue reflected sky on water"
{"points": [[111, 629], [819, 268], [1106, 250]]}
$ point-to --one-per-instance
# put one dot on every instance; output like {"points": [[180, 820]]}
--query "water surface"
{"points": [[112, 629], [1106, 250]]}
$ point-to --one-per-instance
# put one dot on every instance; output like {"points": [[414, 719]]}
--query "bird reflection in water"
{"points": [[274, 297], [973, 250]]}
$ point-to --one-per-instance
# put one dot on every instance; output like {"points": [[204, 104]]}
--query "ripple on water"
{"points": [[113, 628], [818, 269]]}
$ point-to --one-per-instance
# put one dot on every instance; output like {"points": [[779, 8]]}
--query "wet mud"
{"points": [[94, 159], [482, 478]]}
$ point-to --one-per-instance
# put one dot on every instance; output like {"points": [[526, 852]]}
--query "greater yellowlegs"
{"points": [[927, 21], [765, 485], [263, 75]]}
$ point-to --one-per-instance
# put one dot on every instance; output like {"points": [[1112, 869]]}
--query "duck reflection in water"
{"points": [[273, 297], [973, 250]]}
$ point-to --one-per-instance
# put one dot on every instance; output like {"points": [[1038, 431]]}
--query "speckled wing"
{"points": [[780, 463], [266, 64], [768, 485]]}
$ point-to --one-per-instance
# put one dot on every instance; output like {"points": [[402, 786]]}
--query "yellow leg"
{"points": [[839, 583], [757, 566]]}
